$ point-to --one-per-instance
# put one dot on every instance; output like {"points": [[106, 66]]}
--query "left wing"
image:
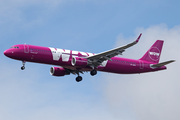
{"points": [[96, 60]]}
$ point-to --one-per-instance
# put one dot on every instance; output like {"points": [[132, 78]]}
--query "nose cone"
{"points": [[8, 53]]}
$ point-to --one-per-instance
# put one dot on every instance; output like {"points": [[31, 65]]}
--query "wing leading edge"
{"points": [[96, 60]]}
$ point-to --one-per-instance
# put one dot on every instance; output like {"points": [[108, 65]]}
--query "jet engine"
{"points": [[79, 62], [58, 71]]}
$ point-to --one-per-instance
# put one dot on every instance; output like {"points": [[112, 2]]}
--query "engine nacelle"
{"points": [[58, 71], [79, 62]]}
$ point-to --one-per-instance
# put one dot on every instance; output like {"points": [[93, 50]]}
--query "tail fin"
{"points": [[154, 53]]}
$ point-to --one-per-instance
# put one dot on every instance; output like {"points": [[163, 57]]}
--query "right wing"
{"points": [[96, 60]]}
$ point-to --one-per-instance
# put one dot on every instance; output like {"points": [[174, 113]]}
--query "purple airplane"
{"points": [[77, 62]]}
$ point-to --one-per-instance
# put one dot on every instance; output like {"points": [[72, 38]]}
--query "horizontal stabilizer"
{"points": [[162, 64]]}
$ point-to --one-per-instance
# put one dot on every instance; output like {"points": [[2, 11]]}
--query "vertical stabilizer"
{"points": [[154, 53]]}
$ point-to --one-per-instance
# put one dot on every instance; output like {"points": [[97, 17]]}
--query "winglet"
{"points": [[137, 40]]}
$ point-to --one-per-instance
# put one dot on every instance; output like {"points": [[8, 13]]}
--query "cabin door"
{"points": [[141, 65], [26, 48]]}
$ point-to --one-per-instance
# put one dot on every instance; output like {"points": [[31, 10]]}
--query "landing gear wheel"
{"points": [[22, 68], [93, 72], [78, 78]]}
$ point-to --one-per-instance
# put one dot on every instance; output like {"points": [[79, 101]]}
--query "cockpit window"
{"points": [[16, 47]]}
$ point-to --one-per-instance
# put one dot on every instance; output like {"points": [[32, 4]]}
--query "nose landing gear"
{"points": [[23, 67]]}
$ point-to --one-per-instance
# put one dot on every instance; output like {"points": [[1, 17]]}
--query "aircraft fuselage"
{"points": [[63, 58]]}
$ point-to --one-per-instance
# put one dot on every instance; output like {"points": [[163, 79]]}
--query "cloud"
{"points": [[150, 96]]}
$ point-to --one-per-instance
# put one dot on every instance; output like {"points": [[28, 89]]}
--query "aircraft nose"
{"points": [[7, 53]]}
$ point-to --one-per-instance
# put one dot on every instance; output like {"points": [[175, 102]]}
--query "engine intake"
{"points": [[79, 62], [58, 71]]}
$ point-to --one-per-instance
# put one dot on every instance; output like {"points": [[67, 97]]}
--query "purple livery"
{"points": [[77, 62]]}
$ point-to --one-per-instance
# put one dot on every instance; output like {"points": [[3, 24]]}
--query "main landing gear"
{"points": [[93, 72], [23, 67], [79, 78]]}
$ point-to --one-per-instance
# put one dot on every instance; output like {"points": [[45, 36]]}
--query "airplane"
{"points": [[76, 62]]}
